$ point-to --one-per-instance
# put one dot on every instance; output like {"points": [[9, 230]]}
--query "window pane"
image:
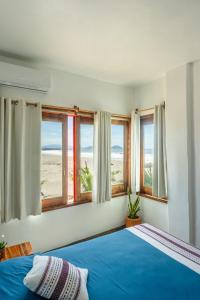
{"points": [[51, 161], [148, 153], [70, 159], [117, 154], [86, 153]]}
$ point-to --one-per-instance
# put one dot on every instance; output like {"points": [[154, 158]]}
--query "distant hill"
{"points": [[148, 151], [117, 149], [89, 149], [52, 147]]}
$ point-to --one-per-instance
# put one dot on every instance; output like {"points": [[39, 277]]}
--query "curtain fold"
{"points": [[135, 153], [20, 127], [159, 184], [102, 164]]}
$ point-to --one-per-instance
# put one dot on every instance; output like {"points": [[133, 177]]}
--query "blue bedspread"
{"points": [[121, 267]]}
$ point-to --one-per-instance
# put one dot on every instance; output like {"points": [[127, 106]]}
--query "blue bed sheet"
{"points": [[121, 266]]}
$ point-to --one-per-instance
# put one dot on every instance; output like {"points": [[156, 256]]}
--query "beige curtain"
{"points": [[19, 159], [102, 165], [159, 184], [135, 154]]}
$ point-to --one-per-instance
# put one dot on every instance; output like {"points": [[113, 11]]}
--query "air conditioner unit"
{"points": [[23, 77]]}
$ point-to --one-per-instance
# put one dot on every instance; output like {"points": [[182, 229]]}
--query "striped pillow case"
{"points": [[55, 278]]}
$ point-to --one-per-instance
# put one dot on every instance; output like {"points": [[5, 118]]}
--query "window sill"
{"points": [[50, 208], [55, 207], [119, 194], [158, 199]]}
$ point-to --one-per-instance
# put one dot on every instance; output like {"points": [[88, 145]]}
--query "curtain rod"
{"points": [[77, 110], [143, 109], [149, 108], [27, 103]]}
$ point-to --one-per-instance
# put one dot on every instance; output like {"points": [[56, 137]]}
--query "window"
{"points": [[119, 156], [67, 160], [84, 163], [146, 151]]}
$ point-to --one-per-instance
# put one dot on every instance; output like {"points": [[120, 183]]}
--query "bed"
{"points": [[141, 262]]}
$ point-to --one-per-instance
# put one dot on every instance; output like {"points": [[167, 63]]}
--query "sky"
{"points": [[117, 134], [148, 136], [52, 134]]}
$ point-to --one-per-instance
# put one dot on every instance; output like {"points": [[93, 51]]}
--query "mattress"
{"points": [[141, 262]]}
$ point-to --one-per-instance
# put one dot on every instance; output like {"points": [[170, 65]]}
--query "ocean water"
{"points": [[114, 155]]}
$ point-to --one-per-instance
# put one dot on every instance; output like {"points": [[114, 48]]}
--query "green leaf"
{"points": [[86, 178], [133, 206]]}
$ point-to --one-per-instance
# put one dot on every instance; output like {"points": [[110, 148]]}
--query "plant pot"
{"points": [[132, 222], [2, 254]]}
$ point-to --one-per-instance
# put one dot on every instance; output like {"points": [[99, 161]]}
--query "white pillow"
{"points": [[55, 278]]}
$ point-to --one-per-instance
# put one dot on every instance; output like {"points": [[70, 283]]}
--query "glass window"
{"points": [[147, 147], [67, 160], [51, 160], [86, 154], [70, 155], [119, 156]]}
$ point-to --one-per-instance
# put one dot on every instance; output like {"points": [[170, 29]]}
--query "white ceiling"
{"points": [[120, 41]]}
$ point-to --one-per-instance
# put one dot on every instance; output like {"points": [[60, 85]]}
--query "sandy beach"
{"points": [[51, 172]]}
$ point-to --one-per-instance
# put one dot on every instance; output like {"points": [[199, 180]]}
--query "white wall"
{"points": [[153, 212], [196, 154], [177, 152], [69, 90], [181, 90], [150, 94], [183, 98], [57, 228]]}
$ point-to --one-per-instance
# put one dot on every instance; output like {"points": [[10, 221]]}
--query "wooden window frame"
{"points": [[121, 189], [83, 197], [79, 198], [53, 203], [144, 120]]}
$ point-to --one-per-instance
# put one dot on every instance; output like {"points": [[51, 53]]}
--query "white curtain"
{"points": [[19, 159], [159, 186], [102, 164], [135, 146]]}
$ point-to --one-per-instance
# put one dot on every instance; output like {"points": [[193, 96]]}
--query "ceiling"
{"points": [[127, 42]]}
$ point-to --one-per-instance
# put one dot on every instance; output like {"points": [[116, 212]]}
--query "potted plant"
{"points": [[2, 247], [133, 209]]}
